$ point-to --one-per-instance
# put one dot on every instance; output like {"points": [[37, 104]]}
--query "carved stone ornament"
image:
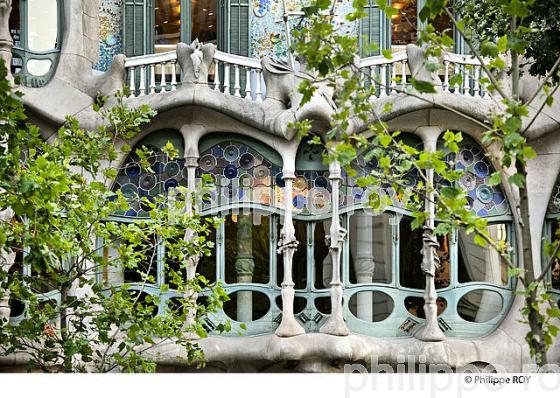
{"points": [[195, 60]]}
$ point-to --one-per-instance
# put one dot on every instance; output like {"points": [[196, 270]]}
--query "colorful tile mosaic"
{"points": [[110, 33], [267, 27]]}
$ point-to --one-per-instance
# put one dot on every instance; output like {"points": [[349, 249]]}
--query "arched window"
{"points": [[401, 29], [384, 283], [551, 227], [154, 26], [246, 195], [36, 29], [139, 185]]}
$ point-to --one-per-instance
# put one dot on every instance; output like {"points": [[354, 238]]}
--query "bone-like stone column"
{"points": [[287, 245], [7, 259], [6, 42], [335, 325], [361, 247], [430, 331], [191, 163], [244, 266]]}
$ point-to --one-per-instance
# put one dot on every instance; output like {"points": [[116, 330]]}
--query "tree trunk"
{"points": [[536, 337]]}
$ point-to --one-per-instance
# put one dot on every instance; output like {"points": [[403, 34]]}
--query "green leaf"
{"points": [[517, 179], [423, 86], [387, 53], [495, 179]]}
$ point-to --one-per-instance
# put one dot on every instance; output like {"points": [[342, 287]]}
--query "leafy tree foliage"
{"points": [[359, 125], [541, 34], [57, 194]]}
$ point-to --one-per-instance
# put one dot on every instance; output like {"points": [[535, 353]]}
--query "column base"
{"points": [[425, 333], [289, 327], [335, 326]]}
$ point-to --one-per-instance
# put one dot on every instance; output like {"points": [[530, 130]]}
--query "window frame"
{"points": [[23, 52]]}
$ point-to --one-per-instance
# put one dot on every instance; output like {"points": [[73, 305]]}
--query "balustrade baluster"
{"points": [[163, 82], [173, 75], [152, 78], [236, 85], [248, 92], [403, 78], [226, 78], [258, 91], [142, 87], [216, 75], [446, 78], [466, 80], [132, 84], [394, 77]]}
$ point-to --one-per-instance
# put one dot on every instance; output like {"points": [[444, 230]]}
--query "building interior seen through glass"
{"points": [[204, 21], [167, 24], [555, 271], [202, 24], [405, 24]]}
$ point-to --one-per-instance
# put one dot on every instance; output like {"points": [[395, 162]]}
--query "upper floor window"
{"points": [[154, 26], [401, 29], [35, 26]]}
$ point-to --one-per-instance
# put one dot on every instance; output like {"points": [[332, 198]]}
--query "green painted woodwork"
{"points": [[23, 53]]}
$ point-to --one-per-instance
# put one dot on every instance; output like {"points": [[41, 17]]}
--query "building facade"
{"points": [[210, 69]]}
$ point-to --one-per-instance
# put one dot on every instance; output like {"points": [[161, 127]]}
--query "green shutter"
{"points": [[237, 32], [137, 27], [370, 30]]}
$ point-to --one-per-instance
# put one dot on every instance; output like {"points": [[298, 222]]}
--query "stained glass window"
{"points": [[140, 184], [484, 199], [240, 174]]}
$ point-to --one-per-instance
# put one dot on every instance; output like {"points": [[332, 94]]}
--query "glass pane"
{"points": [[299, 261], [415, 305], [247, 248], [556, 275], [323, 304], [146, 269], [480, 305], [167, 25], [371, 306], [404, 23], [38, 67], [371, 252], [42, 24], [207, 264], [247, 306], [299, 303], [555, 271], [15, 24], [410, 258], [321, 254], [482, 264], [204, 21]]}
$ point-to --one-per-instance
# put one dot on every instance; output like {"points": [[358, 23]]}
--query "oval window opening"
{"points": [[371, 306], [17, 308], [415, 306], [480, 305], [39, 67], [247, 306], [299, 303], [144, 302], [323, 304]]}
